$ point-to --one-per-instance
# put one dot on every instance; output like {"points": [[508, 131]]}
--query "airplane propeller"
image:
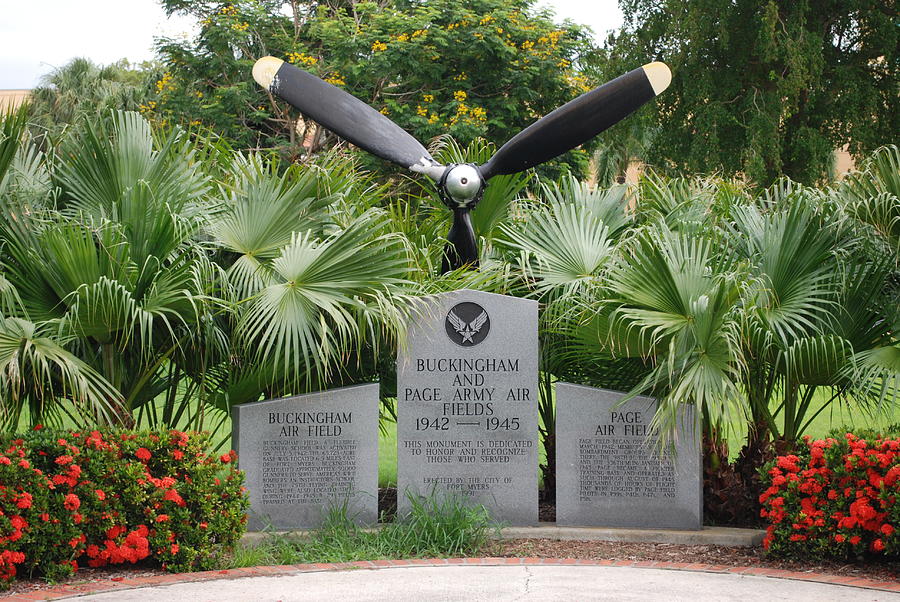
{"points": [[462, 185]]}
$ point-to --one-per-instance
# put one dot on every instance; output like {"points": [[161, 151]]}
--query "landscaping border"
{"points": [[74, 590]]}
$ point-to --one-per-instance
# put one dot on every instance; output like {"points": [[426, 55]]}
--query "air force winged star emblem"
{"points": [[467, 330]]}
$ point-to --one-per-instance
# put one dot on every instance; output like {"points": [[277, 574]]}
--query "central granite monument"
{"points": [[467, 392]]}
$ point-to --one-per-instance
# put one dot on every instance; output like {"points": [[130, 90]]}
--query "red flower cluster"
{"points": [[113, 497], [836, 498], [135, 547]]}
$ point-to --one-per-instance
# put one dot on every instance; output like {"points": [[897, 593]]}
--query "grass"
{"points": [[837, 415], [440, 528]]}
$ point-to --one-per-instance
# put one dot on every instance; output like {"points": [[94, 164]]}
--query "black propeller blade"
{"points": [[342, 113], [461, 186], [579, 120]]}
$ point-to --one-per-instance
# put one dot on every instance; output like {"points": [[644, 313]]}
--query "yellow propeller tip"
{"points": [[659, 75], [264, 70]]}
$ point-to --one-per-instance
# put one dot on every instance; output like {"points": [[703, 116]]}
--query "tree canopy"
{"points": [[466, 68], [766, 88]]}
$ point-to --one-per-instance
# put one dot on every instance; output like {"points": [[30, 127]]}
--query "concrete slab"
{"points": [[710, 536], [501, 583], [713, 536]]}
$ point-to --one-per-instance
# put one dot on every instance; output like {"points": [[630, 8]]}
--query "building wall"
{"points": [[10, 99]]}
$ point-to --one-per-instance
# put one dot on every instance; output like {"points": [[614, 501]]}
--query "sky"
{"points": [[39, 35]]}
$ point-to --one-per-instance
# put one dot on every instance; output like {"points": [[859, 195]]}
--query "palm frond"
{"points": [[306, 321], [36, 373]]}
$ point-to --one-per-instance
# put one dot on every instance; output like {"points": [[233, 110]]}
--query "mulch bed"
{"points": [[870, 568], [85, 575]]}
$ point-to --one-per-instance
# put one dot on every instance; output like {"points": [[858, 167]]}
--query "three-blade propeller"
{"points": [[461, 186]]}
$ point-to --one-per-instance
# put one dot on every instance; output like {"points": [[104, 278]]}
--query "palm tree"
{"points": [[113, 264], [181, 298], [560, 250], [746, 308], [38, 374], [873, 196], [81, 88], [316, 283]]}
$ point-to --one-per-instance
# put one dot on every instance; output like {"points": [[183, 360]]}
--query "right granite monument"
{"points": [[609, 470]]}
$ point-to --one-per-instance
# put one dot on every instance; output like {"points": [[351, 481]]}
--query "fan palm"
{"points": [[116, 267], [313, 293], [873, 196], [37, 372], [817, 311], [325, 298], [561, 249]]}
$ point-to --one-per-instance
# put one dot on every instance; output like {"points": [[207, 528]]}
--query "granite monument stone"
{"points": [[467, 404], [609, 471], [306, 454]]}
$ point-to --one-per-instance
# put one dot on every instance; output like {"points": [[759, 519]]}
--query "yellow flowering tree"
{"points": [[468, 68]]}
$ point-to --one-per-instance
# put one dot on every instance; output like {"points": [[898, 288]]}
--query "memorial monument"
{"points": [[467, 404], [307, 454], [609, 470]]}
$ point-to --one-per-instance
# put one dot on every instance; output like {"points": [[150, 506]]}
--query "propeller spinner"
{"points": [[461, 186]]}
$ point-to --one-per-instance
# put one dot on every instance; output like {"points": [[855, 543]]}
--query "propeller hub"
{"points": [[463, 184]]}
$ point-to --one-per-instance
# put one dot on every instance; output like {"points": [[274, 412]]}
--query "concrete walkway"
{"points": [[493, 579]]}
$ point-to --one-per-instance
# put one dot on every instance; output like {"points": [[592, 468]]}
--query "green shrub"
{"points": [[838, 497], [433, 528], [110, 497]]}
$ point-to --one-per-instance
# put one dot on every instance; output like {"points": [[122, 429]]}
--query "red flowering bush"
{"points": [[836, 497], [108, 497]]}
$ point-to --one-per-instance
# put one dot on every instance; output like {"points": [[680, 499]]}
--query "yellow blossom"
{"points": [[462, 109], [198, 94], [428, 97], [459, 96], [335, 79], [579, 82], [385, 111], [165, 83], [421, 111], [486, 19], [419, 32], [460, 77], [402, 37], [378, 46], [527, 45], [195, 122], [300, 58], [433, 118], [563, 64]]}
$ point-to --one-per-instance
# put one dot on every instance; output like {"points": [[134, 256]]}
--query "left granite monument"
{"points": [[307, 454]]}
